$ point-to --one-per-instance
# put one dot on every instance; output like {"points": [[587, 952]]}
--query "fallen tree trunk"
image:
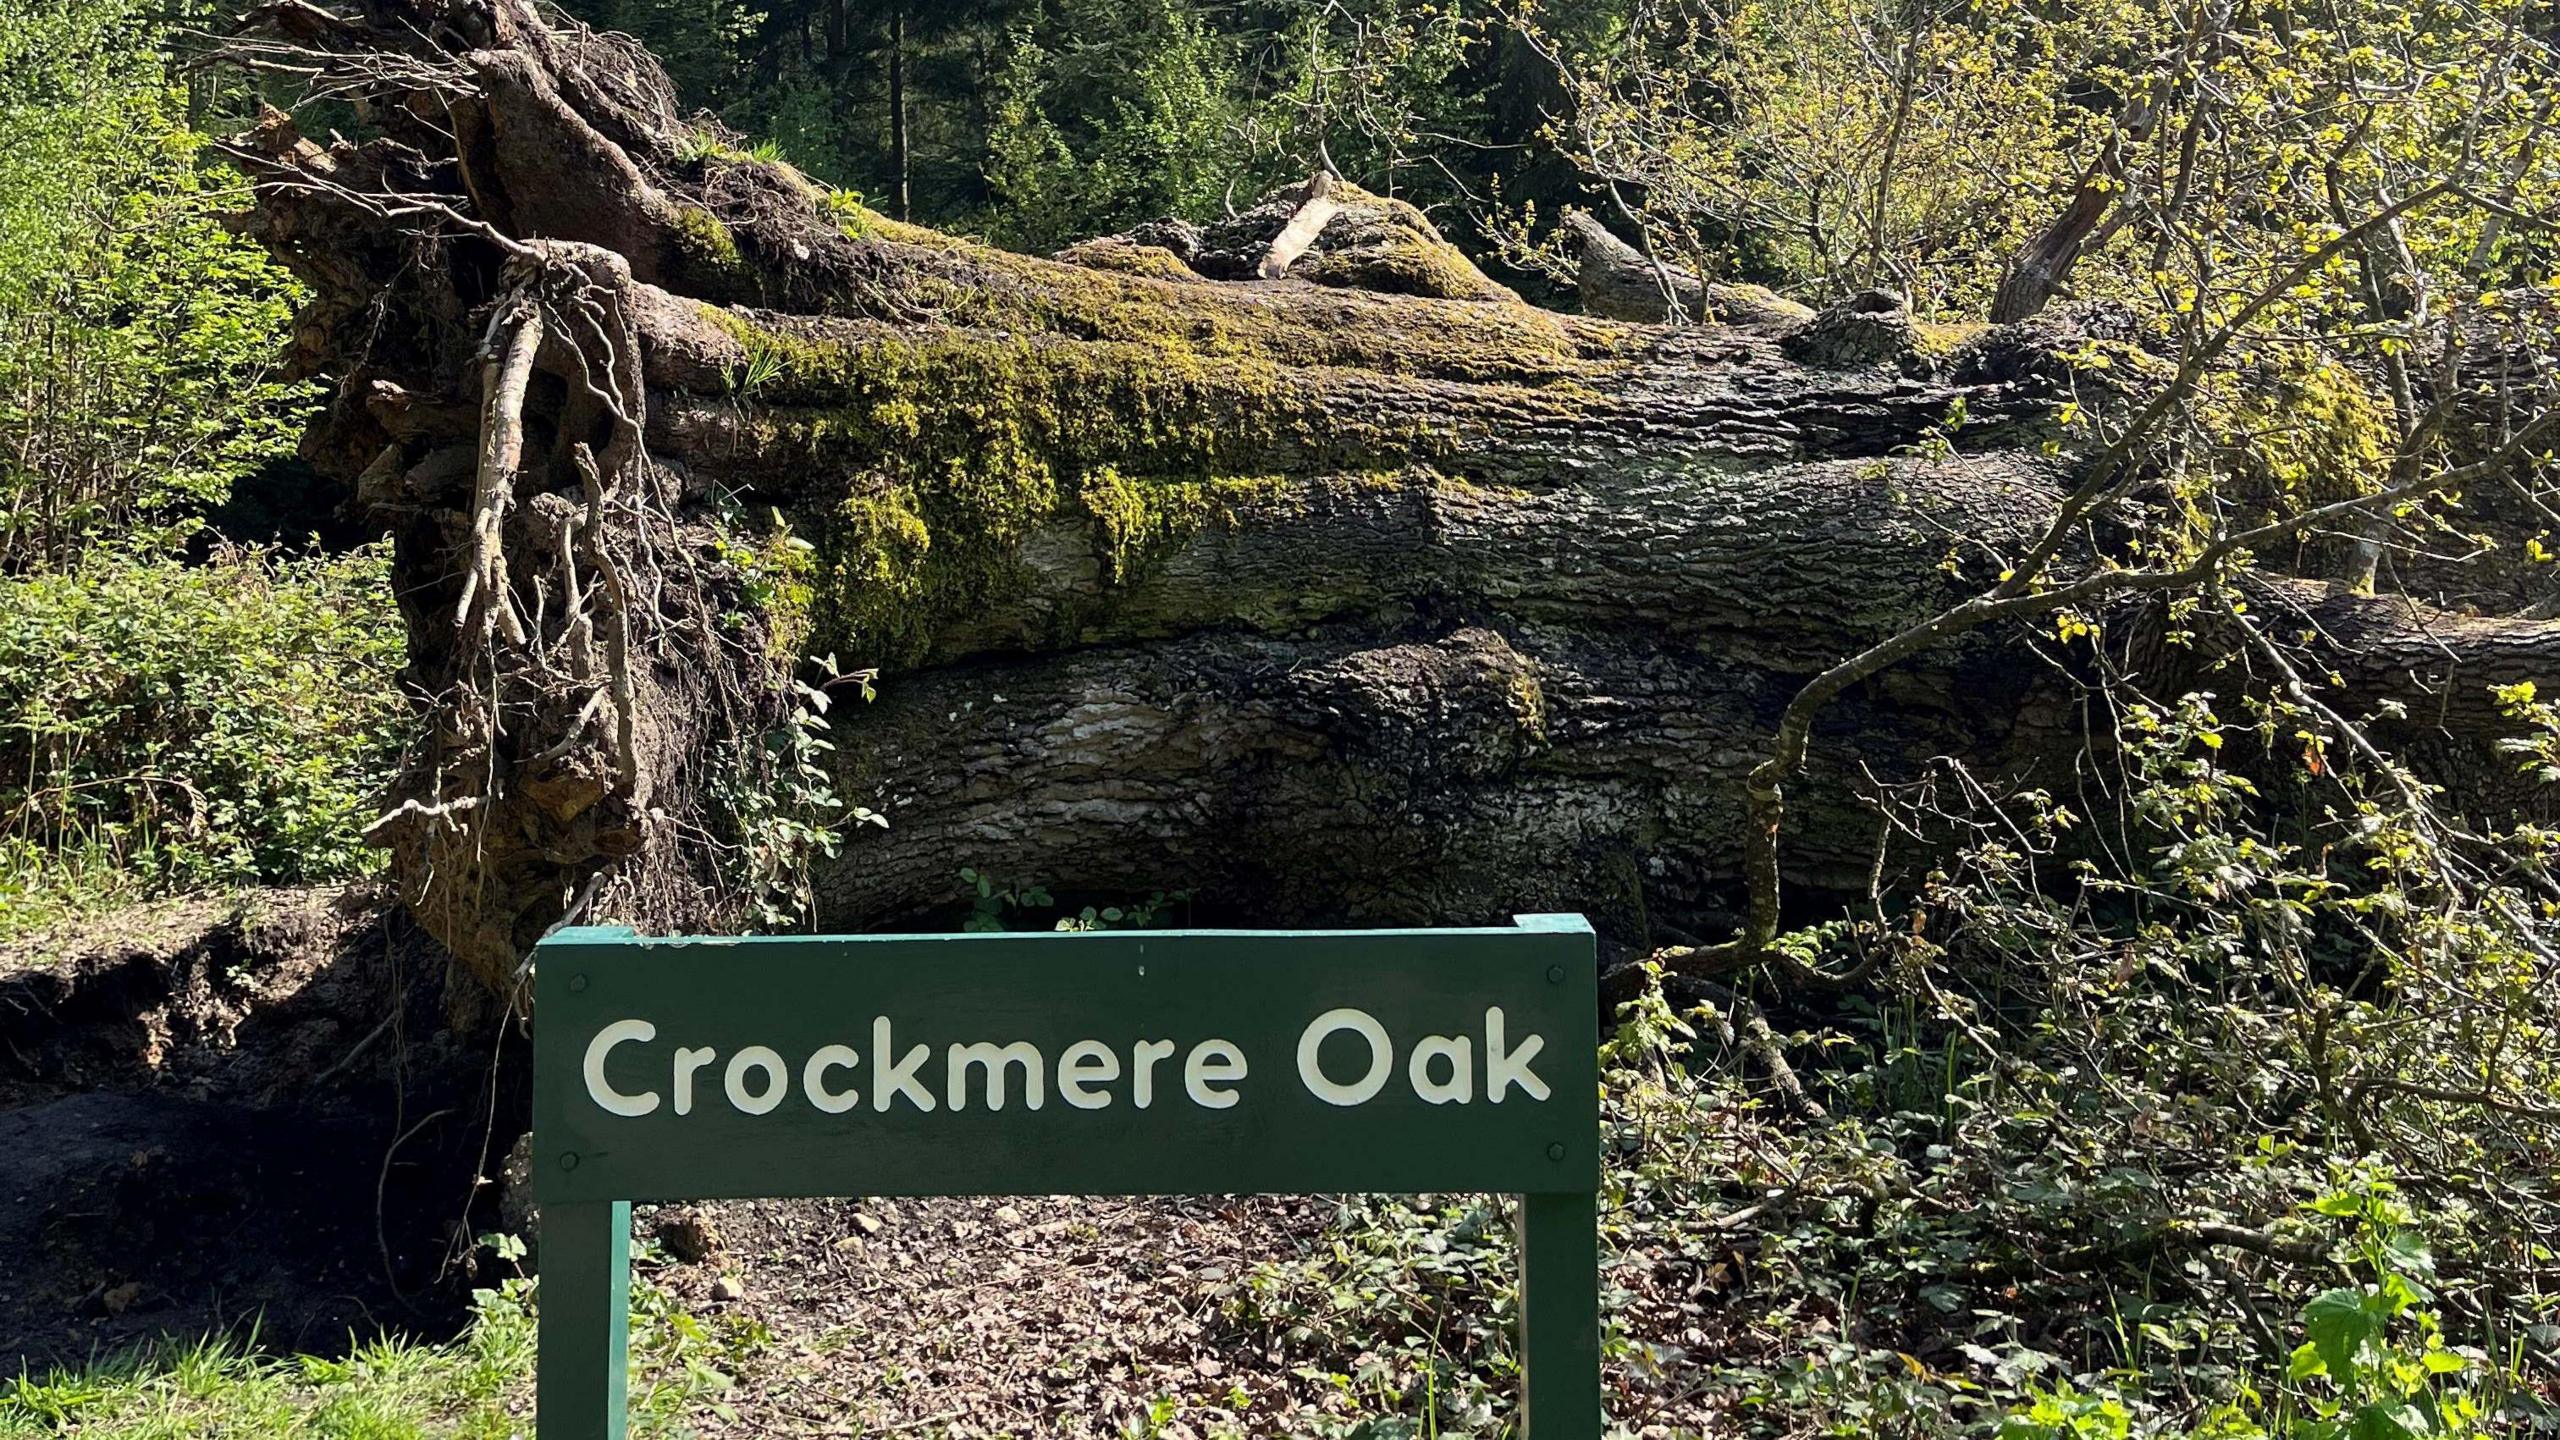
{"points": [[1364, 593]]}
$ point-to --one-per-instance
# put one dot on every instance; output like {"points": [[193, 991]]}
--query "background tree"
{"points": [[138, 378], [1829, 146], [1135, 117], [1041, 123]]}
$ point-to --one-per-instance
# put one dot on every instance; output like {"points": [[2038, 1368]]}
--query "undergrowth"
{"points": [[168, 726], [2241, 1127], [1730, 1305], [2240, 1124]]}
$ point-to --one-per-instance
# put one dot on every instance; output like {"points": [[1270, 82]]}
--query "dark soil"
{"points": [[241, 1116]]}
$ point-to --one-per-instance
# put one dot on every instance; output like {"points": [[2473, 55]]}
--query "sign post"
{"points": [[1100, 1063]]}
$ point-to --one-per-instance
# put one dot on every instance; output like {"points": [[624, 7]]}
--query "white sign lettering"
{"points": [[1085, 1075]]}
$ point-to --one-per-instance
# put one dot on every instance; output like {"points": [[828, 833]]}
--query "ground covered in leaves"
{"points": [[1180, 1317]]}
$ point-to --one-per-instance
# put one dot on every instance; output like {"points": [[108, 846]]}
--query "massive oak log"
{"points": [[1365, 593]]}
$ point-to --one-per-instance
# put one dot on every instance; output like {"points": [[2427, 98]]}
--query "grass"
{"points": [[78, 872], [478, 1387]]}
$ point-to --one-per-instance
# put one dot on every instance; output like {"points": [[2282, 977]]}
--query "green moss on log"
{"points": [[957, 445], [1047, 392], [1403, 262], [972, 286], [1940, 340], [705, 238], [857, 221], [708, 254], [1128, 258], [1138, 519], [1376, 243], [2313, 432]]}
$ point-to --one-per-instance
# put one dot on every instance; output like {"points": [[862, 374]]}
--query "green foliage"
{"points": [[782, 799], [161, 725], [169, 726], [1826, 146], [2373, 1365], [2538, 720], [2064, 1413], [777, 792], [1135, 915], [1043, 123], [2378, 1351], [139, 341], [1032, 173], [700, 42], [1376, 90], [1408, 1313], [1133, 121]]}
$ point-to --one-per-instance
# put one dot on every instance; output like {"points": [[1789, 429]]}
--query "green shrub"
{"points": [[2374, 1363], [165, 725]]}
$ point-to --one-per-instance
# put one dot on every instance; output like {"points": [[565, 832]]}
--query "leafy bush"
{"points": [[160, 725], [168, 725], [139, 340], [2374, 1364]]}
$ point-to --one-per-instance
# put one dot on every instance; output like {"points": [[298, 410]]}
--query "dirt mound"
{"points": [[232, 1115]]}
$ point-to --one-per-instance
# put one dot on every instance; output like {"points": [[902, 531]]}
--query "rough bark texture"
{"points": [[1365, 593]]}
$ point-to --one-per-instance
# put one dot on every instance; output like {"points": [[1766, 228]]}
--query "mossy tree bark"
{"points": [[1369, 593]]}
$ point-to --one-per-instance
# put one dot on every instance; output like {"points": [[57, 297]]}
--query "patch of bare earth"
{"points": [[241, 996], [1042, 1315], [1102, 1317]]}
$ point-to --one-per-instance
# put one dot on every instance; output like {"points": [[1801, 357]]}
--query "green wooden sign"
{"points": [[1109, 1063]]}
